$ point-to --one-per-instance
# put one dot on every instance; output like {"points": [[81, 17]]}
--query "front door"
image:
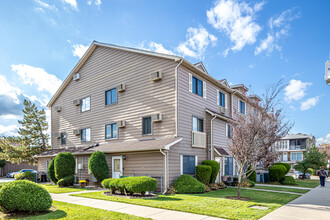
{"points": [[117, 166], [285, 157]]}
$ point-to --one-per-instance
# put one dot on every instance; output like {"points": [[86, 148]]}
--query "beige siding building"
{"points": [[152, 114]]}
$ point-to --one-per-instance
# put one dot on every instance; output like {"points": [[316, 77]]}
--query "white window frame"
{"points": [[82, 104], [190, 85], [181, 163], [90, 135]]}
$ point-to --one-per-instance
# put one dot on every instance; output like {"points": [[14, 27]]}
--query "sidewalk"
{"points": [[281, 186], [313, 205], [142, 211]]}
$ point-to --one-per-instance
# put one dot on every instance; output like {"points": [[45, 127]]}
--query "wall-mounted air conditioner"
{"points": [[222, 110], [57, 135], [121, 124], [80, 166], [76, 131], [76, 76], [121, 87], [157, 76], [157, 117], [58, 108], [76, 102]]}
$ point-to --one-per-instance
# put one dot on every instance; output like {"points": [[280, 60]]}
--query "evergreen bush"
{"points": [[98, 166], [215, 169], [203, 174]]}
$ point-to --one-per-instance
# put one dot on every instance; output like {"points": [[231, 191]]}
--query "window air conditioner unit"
{"points": [[58, 108], [76, 102], [157, 76], [222, 110], [76, 76], [157, 117], [121, 87], [57, 135], [121, 124], [76, 131]]}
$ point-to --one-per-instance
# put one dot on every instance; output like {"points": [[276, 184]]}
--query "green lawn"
{"points": [[71, 211], [55, 189], [282, 189], [212, 203], [308, 183]]}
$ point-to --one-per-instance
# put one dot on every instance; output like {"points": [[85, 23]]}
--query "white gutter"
{"points": [[176, 98], [212, 147], [165, 175]]}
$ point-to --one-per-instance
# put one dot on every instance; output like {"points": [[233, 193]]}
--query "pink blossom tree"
{"points": [[254, 133]]}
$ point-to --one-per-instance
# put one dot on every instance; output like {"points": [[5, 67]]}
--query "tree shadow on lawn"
{"points": [[257, 197], [57, 214]]}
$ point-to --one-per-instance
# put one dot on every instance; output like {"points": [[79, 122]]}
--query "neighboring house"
{"points": [[292, 147], [152, 114], [326, 148]]}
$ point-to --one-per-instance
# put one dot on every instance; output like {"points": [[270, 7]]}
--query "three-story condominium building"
{"points": [[152, 114], [292, 147]]}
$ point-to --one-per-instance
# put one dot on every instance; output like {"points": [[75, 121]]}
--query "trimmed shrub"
{"points": [[286, 165], [276, 172], [253, 176], [65, 165], [66, 181], [51, 171], [248, 183], [25, 176], [288, 180], [215, 168], [105, 183], [188, 184], [98, 166], [141, 184], [24, 196], [2, 184], [203, 174]]}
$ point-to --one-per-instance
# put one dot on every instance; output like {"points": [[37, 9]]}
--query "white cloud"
{"points": [[236, 20], [295, 90], [324, 140], [197, 40], [45, 5], [279, 27], [251, 66], [155, 47], [98, 2], [38, 76], [10, 130], [7, 89], [72, 3], [10, 117], [309, 103], [79, 50]]}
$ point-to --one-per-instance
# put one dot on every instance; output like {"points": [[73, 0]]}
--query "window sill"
{"points": [[111, 139], [107, 105]]}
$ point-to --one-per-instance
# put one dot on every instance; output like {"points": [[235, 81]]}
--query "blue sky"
{"points": [[250, 42]]}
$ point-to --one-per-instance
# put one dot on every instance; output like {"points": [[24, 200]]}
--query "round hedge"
{"points": [[253, 176], [215, 169], [65, 165], [276, 172], [286, 165], [26, 176], [203, 173], [98, 166], [288, 180], [188, 184], [141, 184], [24, 196], [51, 171], [66, 181]]}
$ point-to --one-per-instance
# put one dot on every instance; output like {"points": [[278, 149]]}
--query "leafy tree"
{"points": [[313, 158], [33, 137], [98, 166]]}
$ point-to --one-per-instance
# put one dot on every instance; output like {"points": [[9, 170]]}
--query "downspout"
{"points": [[165, 175], [176, 98], [212, 147]]}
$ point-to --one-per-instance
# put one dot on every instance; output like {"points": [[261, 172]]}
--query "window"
{"points": [[198, 124], [63, 138], [111, 131], [86, 135], [296, 156], [241, 107], [111, 96], [229, 164], [228, 131], [146, 125], [188, 164], [197, 86], [86, 104], [222, 99], [298, 142]]}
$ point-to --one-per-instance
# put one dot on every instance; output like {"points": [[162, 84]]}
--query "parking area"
{"points": [[5, 179]]}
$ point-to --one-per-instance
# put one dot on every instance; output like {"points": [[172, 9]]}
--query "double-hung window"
{"points": [[85, 104], [197, 86], [63, 138], [228, 131], [241, 107], [111, 96], [188, 164], [296, 156], [86, 135], [111, 131], [229, 166], [222, 99], [146, 125], [198, 124]]}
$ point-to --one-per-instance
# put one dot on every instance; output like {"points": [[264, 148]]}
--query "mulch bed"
{"points": [[134, 196], [240, 198]]}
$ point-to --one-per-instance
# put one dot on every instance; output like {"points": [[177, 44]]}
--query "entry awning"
{"points": [[118, 147], [220, 151]]}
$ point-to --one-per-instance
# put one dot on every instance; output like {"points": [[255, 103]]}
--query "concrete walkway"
{"points": [[291, 187], [315, 204], [137, 210], [277, 191]]}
